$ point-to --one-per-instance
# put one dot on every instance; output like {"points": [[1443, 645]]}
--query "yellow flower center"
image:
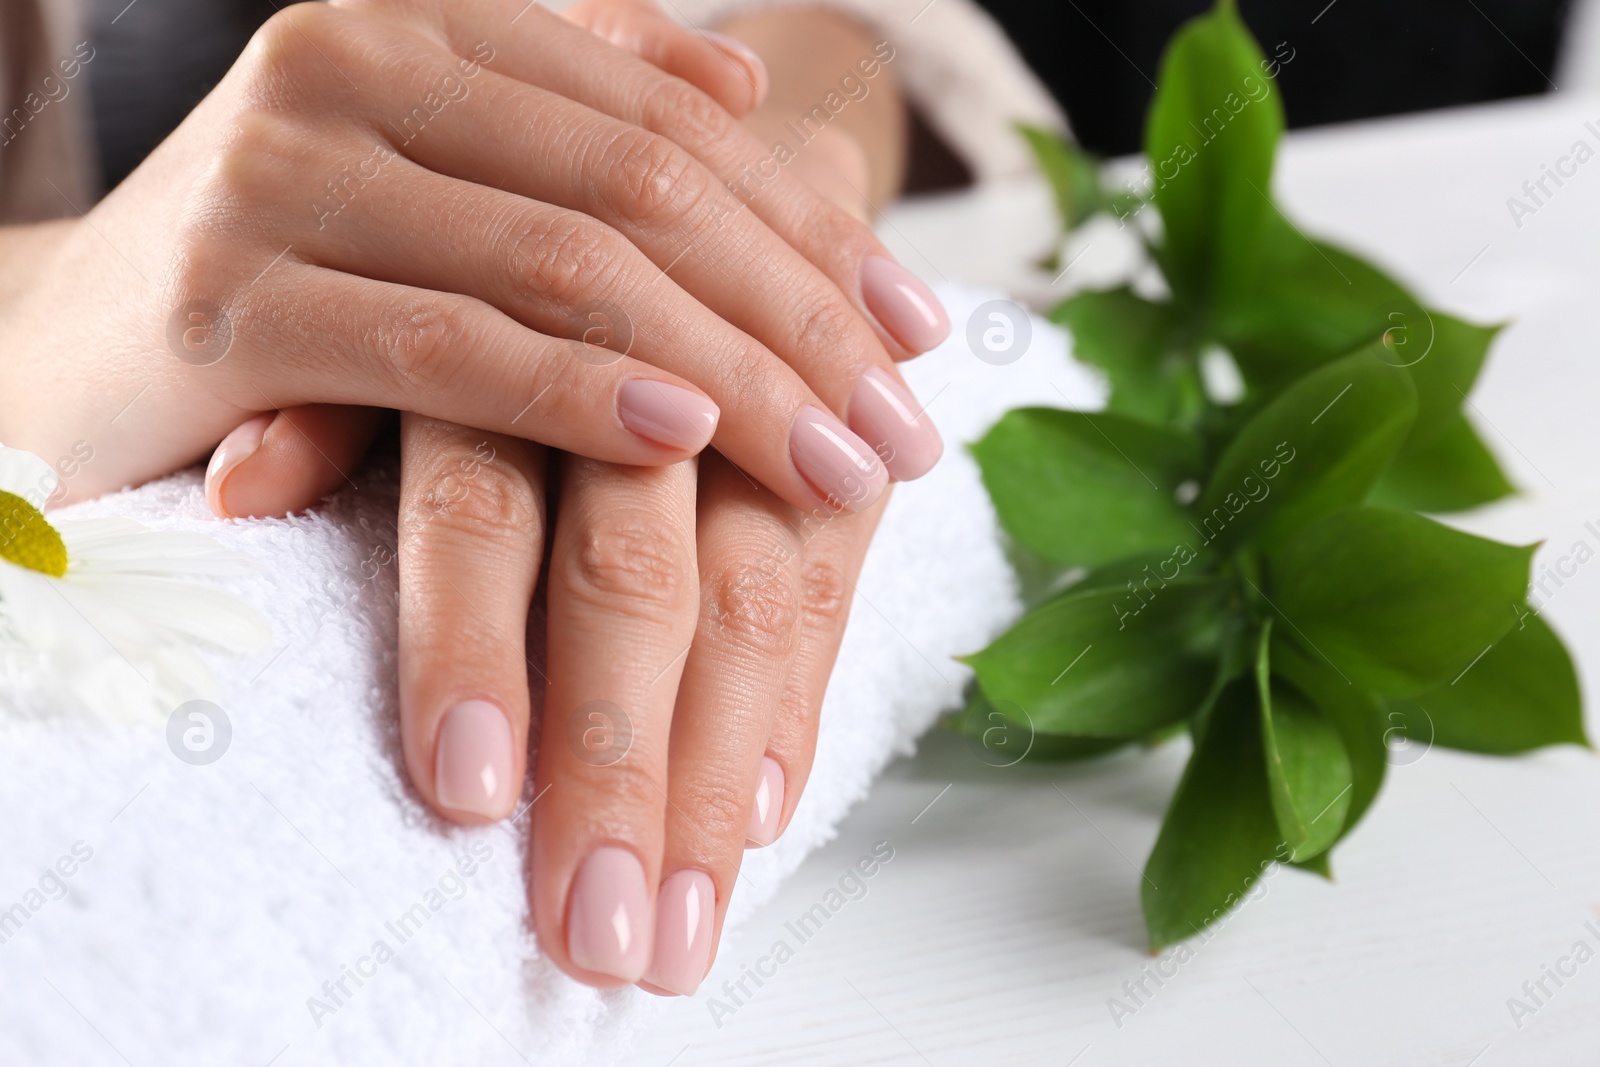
{"points": [[27, 538]]}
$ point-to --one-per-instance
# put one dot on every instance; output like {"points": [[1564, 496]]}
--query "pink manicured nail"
{"points": [[839, 465], [685, 908], [666, 414], [888, 417], [903, 304], [743, 54], [768, 808], [472, 761], [608, 919], [235, 448]]}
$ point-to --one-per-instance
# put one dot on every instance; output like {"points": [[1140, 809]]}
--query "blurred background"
{"points": [[1352, 59]]}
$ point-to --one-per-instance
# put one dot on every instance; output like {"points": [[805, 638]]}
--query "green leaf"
{"points": [[1007, 739], [1307, 766], [1131, 339], [1073, 174], [1211, 133], [1319, 864], [1443, 465], [1057, 748], [1108, 663], [1080, 489], [1358, 717], [1315, 449], [1454, 471], [1219, 834], [1312, 302], [1119, 572], [1395, 602], [1522, 695], [1444, 369], [1144, 575]]}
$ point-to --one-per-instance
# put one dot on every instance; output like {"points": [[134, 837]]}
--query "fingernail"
{"points": [[903, 305], [666, 414], [768, 808], [889, 418], [685, 908], [472, 760], [744, 55], [608, 921], [839, 465], [235, 448]]}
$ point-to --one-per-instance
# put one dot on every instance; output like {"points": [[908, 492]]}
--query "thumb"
{"points": [[285, 461]]}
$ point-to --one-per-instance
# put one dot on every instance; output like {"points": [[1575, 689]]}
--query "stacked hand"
{"points": [[539, 239]]}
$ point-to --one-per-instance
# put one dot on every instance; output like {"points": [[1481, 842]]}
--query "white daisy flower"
{"points": [[102, 613]]}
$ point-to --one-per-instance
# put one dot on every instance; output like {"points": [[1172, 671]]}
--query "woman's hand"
{"points": [[691, 625], [692, 628], [424, 206], [690, 633]]}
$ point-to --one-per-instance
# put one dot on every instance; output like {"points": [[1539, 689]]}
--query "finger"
{"points": [[555, 270], [483, 139], [471, 527], [834, 547], [285, 479], [744, 646], [622, 606], [830, 546], [322, 335], [286, 461], [682, 216], [723, 68], [910, 318]]}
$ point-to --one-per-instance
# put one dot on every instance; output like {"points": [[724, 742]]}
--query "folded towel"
{"points": [[278, 894]]}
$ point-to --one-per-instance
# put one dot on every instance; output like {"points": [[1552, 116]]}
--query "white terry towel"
{"points": [[155, 913]]}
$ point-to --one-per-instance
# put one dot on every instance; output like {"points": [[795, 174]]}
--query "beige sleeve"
{"points": [[46, 151]]}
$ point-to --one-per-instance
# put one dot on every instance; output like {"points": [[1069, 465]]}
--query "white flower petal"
{"points": [[119, 546], [35, 613], [26, 475], [117, 634], [196, 612]]}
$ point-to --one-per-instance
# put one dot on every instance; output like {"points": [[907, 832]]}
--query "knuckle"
{"points": [[200, 268], [746, 378], [568, 261], [258, 158], [824, 325], [282, 52], [687, 115], [834, 228], [425, 340], [756, 602], [632, 783], [654, 182], [632, 556], [794, 728], [262, 153], [482, 496], [721, 803], [826, 593]]}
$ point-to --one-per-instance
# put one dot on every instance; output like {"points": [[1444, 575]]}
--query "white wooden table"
{"points": [[1008, 918]]}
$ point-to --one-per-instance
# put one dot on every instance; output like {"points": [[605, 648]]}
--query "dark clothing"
{"points": [[1353, 59], [154, 61]]}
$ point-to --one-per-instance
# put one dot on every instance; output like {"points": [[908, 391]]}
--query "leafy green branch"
{"points": [[1253, 570]]}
